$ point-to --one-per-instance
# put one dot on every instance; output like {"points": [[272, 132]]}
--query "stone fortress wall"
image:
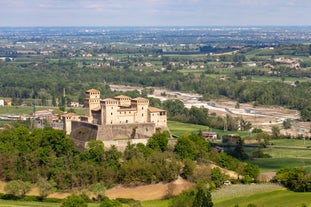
{"points": [[120, 118]]}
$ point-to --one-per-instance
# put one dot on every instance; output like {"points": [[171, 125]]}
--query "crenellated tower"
{"points": [[91, 102]]}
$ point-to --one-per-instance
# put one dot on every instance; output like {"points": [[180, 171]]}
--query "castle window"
{"points": [[142, 114], [111, 113], [142, 107], [126, 121], [111, 122]]}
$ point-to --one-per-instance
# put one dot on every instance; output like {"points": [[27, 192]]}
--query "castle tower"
{"points": [[124, 101], [109, 110], [141, 105], [91, 101]]}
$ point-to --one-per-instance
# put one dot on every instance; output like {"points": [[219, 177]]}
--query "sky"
{"points": [[155, 12]]}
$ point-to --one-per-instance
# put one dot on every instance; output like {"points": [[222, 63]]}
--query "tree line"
{"points": [[48, 80]]}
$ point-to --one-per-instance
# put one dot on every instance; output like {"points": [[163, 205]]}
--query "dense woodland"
{"points": [[48, 155]]}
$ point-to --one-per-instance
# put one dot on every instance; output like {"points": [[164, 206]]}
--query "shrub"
{"points": [[74, 201], [17, 188], [110, 203]]}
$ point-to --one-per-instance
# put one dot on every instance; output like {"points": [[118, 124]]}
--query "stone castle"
{"points": [[114, 118]]}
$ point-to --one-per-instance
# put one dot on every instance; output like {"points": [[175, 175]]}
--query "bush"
{"points": [[185, 199], [74, 201], [110, 203], [129, 201], [17, 188]]}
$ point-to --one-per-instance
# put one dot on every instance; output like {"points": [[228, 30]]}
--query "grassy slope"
{"points": [[273, 164], [282, 157], [279, 198], [178, 128]]}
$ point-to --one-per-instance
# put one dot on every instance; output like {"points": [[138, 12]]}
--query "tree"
{"points": [[45, 187], [245, 125], [295, 179], [188, 169], [217, 176], [251, 170], [275, 131], [98, 189], [184, 199], [159, 141], [95, 151], [185, 148], [74, 201], [174, 107], [306, 113], [17, 188], [287, 124], [198, 115], [202, 199], [239, 151]]}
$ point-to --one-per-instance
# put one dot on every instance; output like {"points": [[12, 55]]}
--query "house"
{"points": [[209, 135], [1, 102], [74, 104]]}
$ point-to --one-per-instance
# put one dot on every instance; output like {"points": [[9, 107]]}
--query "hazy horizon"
{"points": [[157, 13]]}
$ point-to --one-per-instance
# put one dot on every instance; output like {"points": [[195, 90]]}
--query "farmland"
{"points": [[228, 82]]}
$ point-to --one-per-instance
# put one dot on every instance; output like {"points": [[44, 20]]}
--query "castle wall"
{"points": [[122, 144], [121, 131], [82, 132], [115, 119], [96, 117], [125, 116]]}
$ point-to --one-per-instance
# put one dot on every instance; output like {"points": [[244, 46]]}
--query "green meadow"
{"points": [[278, 198], [179, 128]]}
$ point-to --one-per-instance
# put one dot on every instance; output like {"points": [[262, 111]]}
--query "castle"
{"points": [[114, 118]]}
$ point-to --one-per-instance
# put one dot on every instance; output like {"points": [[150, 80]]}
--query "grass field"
{"points": [[283, 157], [156, 203], [278, 198], [291, 142], [273, 164], [179, 128]]}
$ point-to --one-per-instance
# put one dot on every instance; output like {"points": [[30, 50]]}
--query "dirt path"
{"points": [[145, 192], [150, 192]]}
